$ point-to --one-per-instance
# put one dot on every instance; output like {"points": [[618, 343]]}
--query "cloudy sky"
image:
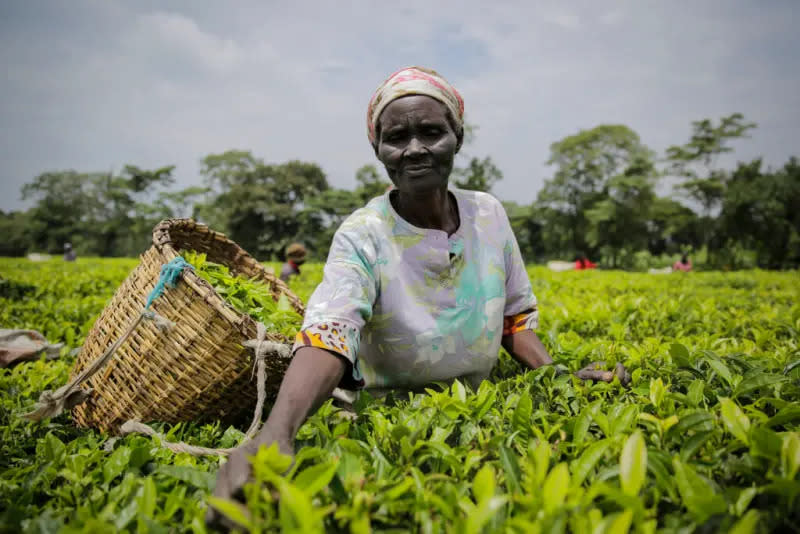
{"points": [[93, 85]]}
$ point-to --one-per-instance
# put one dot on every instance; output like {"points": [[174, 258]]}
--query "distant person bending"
{"points": [[423, 284], [295, 257], [69, 254], [684, 264], [583, 263]]}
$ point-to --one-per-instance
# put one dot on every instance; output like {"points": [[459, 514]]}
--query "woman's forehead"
{"points": [[419, 106]]}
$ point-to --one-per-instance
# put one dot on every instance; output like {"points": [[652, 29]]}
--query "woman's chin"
{"points": [[417, 183]]}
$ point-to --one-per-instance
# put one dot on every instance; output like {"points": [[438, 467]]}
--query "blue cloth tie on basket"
{"points": [[170, 273]]}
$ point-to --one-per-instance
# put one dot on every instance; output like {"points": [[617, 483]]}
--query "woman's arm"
{"points": [[311, 377], [526, 347]]}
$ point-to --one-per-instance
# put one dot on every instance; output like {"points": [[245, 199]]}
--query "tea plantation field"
{"points": [[706, 439]]}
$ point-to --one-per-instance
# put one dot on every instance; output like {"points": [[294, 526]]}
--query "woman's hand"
{"points": [[311, 377], [527, 348], [237, 471], [595, 371]]}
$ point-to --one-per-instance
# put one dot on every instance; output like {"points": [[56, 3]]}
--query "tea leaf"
{"points": [[747, 524], [790, 455], [633, 464], [735, 420], [232, 510], [555, 488]]}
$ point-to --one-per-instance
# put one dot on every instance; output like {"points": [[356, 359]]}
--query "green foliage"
{"points": [[706, 439], [370, 183], [601, 202], [250, 297], [261, 206], [695, 162], [601, 193], [104, 214], [762, 211], [479, 175]]}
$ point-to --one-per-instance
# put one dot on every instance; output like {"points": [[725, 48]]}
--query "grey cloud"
{"points": [[98, 85]]}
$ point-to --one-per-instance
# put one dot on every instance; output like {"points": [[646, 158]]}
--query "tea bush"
{"points": [[706, 439]]}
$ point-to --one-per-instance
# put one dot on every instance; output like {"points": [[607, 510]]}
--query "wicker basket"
{"points": [[198, 370]]}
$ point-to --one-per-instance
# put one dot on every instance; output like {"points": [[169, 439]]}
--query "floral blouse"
{"points": [[407, 306]]}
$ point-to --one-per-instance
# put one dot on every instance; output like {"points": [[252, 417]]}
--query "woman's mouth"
{"points": [[417, 169]]}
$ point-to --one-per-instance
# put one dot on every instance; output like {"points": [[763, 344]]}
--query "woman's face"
{"points": [[416, 143]]}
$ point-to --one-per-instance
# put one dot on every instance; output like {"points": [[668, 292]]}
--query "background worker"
{"points": [[69, 253], [684, 264], [295, 257]]}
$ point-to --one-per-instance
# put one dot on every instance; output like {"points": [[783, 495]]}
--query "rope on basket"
{"points": [[52, 403], [262, 347]]}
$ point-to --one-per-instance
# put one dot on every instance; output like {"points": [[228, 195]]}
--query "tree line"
{"points": [[601, 201]]}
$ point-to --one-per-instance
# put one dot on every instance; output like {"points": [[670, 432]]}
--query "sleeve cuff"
{"points": [[527, 320], [339, 338]]}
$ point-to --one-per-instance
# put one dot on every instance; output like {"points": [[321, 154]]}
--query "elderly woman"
{"points": [[423, 284]]}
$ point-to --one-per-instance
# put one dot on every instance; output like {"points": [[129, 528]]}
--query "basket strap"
{"points": [[52, 403], [262, 348]]}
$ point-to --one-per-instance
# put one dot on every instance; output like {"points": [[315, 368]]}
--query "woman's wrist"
{"points": [[269, 435]]}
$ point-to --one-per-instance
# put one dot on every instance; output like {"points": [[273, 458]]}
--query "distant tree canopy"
{"points": [[601, 201]]}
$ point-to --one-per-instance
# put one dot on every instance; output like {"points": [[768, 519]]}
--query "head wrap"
{"points": [[414, 81], [296, 251]]}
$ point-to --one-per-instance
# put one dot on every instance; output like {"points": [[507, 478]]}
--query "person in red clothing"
{"points": [[684, 264], [295, 257], [583, 263]]}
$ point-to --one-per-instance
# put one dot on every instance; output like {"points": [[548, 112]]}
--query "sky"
{"points": [[92, 85]]}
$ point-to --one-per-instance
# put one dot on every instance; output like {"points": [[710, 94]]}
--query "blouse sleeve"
{"points": [[342, 303], [521, 311]]}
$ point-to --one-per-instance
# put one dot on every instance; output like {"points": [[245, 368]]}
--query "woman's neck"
{"points": [[435, 209]]}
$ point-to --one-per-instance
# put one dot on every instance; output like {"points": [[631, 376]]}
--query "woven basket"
{"points": [[198, 370]]}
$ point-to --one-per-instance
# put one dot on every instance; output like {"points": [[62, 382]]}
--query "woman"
{"points": [[423, 284], [684, 264]]}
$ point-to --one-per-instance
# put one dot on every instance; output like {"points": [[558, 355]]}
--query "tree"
{"points": [[761, 211], [527, 230], [672, 227], [618, 222], [62, 200], [601, 174], [263, 207], [14, 227], [695, 163], [324, 215], [100, 213], [370, 184], [479, 175]]}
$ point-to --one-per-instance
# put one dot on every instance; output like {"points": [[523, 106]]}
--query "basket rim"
{"points": [[164, 244]]}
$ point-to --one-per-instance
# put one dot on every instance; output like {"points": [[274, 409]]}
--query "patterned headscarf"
{"points": [[414, 81]]}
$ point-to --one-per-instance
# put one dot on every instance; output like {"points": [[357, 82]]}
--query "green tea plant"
{"points": [[706, 439], [250, 297]]}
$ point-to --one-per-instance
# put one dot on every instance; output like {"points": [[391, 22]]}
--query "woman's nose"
{"points": [[414, 147]]}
